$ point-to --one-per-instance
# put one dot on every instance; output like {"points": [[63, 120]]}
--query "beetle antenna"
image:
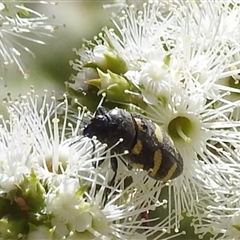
{"points": [[76, 118]]}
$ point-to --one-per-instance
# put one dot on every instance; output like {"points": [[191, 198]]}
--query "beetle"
{"points": [[149, 147]]}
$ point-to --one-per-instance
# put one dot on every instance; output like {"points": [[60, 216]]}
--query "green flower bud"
{"points": [[107, 59], [117, 88], [29, 195], [13, 228], [34, 193]]}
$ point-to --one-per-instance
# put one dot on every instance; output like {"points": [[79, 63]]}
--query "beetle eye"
{"points": [[103, 117], [99, 117]]}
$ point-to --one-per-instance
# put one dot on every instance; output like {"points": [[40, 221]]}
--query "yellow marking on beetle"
{"points": [[137, 148], [139, 123], [158, 133], [137, 165], [157, 159], [170, 172]]}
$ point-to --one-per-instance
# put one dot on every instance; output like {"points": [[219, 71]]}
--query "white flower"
{"points": [[183, 61], [201, 136], [68, 208], [141, 34], [20, 22], [63, 180], [16, 157]]}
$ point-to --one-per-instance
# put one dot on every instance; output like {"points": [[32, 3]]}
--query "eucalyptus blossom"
{"points": [[58, 184], [179, 66], [19, 22]]}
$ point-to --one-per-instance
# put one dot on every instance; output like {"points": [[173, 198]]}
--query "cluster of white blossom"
{"points": [[19, 22], [178, 61], [54, 183]]}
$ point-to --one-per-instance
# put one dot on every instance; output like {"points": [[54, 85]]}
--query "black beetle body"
{"points": [[150, 148]]}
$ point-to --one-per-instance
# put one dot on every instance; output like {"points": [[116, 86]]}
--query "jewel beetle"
{"points": [[149, 147]]}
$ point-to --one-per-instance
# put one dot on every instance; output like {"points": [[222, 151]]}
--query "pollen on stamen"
{"points": [[41, 111], [102, 99], [113, 146], [105, 145]]}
